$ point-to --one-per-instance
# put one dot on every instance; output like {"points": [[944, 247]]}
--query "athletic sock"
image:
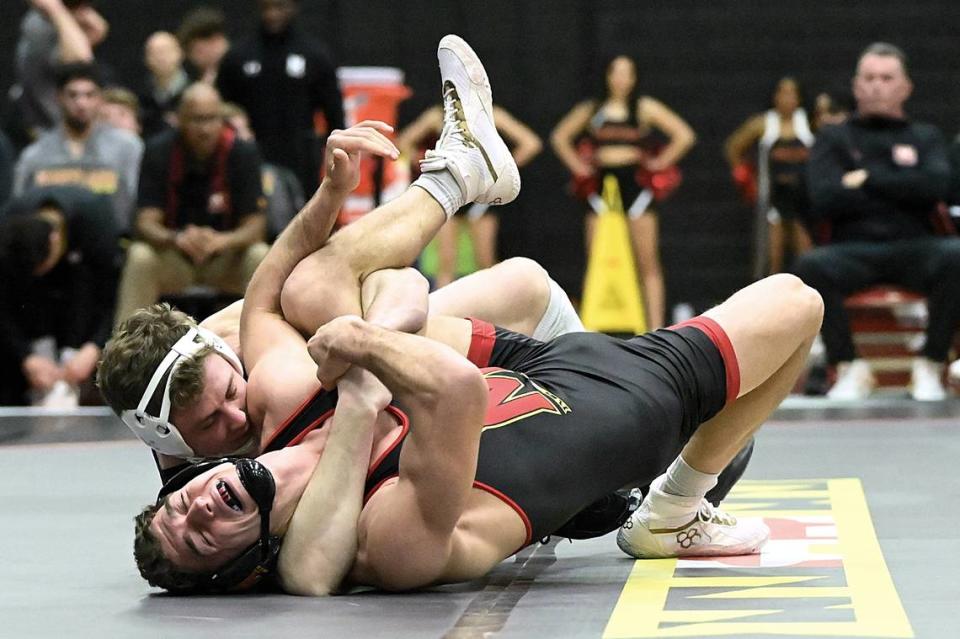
{"points": [[559, 318], [684, 481], [443, 187]]}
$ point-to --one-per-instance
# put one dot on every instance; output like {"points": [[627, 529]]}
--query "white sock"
{"points": [[684, 481], [559, 318], [443, 187]]}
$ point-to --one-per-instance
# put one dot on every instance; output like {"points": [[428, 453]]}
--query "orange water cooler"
{"points": [[373, 93]]}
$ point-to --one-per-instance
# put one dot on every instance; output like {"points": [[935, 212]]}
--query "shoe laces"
{"points": [[709, 514], [454, 120]]}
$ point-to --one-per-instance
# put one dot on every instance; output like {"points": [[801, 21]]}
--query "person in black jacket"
{"points": [[876, 181], [8, 158], [282, 77], [59, 264]]}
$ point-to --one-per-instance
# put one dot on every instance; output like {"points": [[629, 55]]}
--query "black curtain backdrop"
{"points": [[713, 62]]}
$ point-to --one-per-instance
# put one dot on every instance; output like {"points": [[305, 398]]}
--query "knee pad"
{"points": [[559, 318]]}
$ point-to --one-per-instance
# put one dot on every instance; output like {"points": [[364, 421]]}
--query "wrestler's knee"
{"points": [[522, 267], [802, 300], [526, 276]]}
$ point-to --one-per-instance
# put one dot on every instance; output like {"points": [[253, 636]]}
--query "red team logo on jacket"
{"points": [[513, 396]]}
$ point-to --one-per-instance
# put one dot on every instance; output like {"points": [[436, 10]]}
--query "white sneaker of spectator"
{"points": [[953, 371], [61, 395], [925, 380], [855, 381]]}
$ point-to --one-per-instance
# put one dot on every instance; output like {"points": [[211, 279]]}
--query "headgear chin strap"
{"points": [[158, 432]]}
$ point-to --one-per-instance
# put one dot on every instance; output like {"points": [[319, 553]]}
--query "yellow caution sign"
{"points": [[611, 291]]}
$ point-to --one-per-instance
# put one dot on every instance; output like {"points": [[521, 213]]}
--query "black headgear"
{"points": [[260, 559]]}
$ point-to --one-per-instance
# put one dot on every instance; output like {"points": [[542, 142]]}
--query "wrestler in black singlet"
{"points": [[574, 419]]}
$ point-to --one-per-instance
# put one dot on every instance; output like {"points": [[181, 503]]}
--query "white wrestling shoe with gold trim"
{"points": [[669, 526], [470, 146]]}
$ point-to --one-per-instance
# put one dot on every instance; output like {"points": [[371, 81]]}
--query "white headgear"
{"points": [[158, 432]]}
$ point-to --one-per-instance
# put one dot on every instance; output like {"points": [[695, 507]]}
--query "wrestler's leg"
{"points": [[517, 294], [770, 326], [718, 440], [326, 284]]}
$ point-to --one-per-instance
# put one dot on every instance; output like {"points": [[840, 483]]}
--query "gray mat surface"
{"points": [[66, 531]]}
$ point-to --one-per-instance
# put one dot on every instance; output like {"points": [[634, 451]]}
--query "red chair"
{"points": [[888, 322]]}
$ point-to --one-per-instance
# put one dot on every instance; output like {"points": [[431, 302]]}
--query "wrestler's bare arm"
{"points": [[321, 539], [306, 233], [406, 531]]}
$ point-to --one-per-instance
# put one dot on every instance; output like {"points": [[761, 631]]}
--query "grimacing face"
{"points": [[208, 522], [216, 423], [881, 86]]}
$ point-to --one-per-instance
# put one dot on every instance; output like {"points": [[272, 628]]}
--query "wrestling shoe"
{"points": [[469, 145], [670, 526]]}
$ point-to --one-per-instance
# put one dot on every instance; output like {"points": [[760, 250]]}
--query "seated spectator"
{"points": [[876, 180], [83, 151], [281, 187], [200, 217], [59, 266], [121, 110], [203, 37], [52, 33], [164, 83]]}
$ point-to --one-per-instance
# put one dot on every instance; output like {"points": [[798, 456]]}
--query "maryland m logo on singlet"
{"points": [[514, 396]]}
